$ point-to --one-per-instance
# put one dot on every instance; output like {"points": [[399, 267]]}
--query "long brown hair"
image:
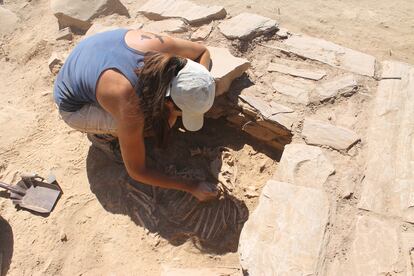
{"points": [[154, 79]]}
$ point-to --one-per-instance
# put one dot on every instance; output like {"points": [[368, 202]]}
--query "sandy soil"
{"points": [[90, 231]]}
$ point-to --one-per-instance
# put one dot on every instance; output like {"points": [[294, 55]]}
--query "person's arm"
{"points": [[124, 106]]}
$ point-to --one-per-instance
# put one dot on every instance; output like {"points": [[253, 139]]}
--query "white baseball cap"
{"points": [[193, 91]]}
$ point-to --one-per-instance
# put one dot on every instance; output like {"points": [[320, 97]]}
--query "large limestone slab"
{"points": [[285, 233], [270, 111], [296, 69], [374, 250], [304, 165], [166, 26], [194, 14], [247, 26], [8, 21], [320, 133], [331, 53], [388, 186], [344, 85], [296, 91], [78, 14], [226, 68]]}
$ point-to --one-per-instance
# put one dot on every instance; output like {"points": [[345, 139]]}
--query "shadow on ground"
{"points": [[6, 246], [177, 216]]}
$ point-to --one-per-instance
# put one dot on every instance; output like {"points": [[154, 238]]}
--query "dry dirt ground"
{"points": [[90, 231]]}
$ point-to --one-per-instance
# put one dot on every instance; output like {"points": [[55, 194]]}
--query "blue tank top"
{"points": [[76, 82]]}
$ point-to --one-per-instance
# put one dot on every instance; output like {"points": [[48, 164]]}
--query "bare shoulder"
{"points": [[117, 96], [145, 41]]}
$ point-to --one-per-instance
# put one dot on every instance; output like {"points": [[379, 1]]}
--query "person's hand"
{"points": [[205, 191]]}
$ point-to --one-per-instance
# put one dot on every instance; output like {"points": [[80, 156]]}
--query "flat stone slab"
{"points": [[166, 26], [321, 133], [247, 26], [64, 34], [374, 250], [304, 165], [192, 13], [388, 186], [8, 21], [202, 33], [78, 14], [226, 68], [296, 91], [331, 53], [285, 233], [270, 111], [344, 85], [296, 69]]}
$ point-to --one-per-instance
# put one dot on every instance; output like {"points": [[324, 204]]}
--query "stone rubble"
{"points": [[388, 187], [331, 53], [226, 68], [64, 34], [79, 14], [8, 21], [344, 85], [296, 69], [166, 26], [285, 234], [304, 165], [247, 26], [321, 133], [192, 13]]}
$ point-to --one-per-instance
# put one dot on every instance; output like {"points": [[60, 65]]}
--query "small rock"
{"points": [[226, 68], [282, 33], [320, 133], [247, 26], [8, 21], [192, 13], [79, 14], [65, 33], [202, 33], [55, 63], [166, 26], [63, 237]]}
